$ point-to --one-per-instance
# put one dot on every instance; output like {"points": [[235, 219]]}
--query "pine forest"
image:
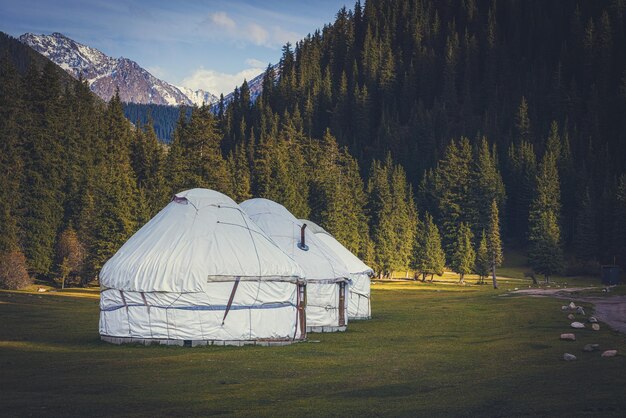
{"points": [[424, 135]]}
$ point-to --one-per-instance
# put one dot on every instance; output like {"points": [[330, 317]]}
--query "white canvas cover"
{"points": [[198, 259], [325, 274], [359, 306]]}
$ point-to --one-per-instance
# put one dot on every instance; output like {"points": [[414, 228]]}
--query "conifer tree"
{"points": [[115, 197], [356, 227], [483, 264], [494, 243], [42, 197], [11, 162], [148, 162], [379, 210], [240, 173], [464, 256], [433, 258], [453, 190], [196, 156], [419, 249], [545, 253], [404, 217], [487, 185]]}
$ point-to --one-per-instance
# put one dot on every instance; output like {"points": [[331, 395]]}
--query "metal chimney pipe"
{"points": [[302, 245]]}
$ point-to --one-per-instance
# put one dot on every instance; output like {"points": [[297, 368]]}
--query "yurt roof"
{"points": [[318, 261], [201, 236], [354, 263]]}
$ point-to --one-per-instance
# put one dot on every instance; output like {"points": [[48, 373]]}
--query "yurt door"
{"points": [[342, 304]]}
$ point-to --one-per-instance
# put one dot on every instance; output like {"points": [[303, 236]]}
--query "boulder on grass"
{"points": [[568, 337], [578, 325], [591, 347], [580, 310], [563, 308], [570, 317], [569, 357], [595, 327], [572, 305], [592, 320], [609, 353]]}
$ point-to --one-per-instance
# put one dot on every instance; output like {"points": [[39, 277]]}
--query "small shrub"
{"points": [[13, 273], [70, 257]]}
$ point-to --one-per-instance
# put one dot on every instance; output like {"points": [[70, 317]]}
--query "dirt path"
{"points": [[608, 309]]}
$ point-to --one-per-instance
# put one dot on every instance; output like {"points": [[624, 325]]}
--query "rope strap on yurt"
{"points": [[230, 299]]}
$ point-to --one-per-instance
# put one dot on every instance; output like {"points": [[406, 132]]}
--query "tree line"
{"points": [[421, 134], [79, 179], [536, 78]]}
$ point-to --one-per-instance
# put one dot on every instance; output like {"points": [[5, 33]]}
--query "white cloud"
{"points": [[216, 82], [222, 20], [257, 34], [244, 30], [253, 62]]}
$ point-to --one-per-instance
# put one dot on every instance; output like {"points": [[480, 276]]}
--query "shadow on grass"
{"points": [[394, 390]]}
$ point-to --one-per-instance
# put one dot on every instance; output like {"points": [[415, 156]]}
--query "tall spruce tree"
{"points": [[42, 195], [148, 160], [464, 256], [432, 259], [494, 243], [195, 157], [487, 186], [545, 253], [483, 263], [453, 191], [239, 168], [379, 210], [115, 198]]}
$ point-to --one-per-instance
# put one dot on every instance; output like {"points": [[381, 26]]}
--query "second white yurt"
{"points": [[326, 275], [359, 305], [201, 272]]}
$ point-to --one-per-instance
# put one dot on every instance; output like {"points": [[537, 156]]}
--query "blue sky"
{"points": [[209, 44]]}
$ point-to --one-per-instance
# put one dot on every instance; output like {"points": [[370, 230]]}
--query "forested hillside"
{"points": [[162, 117], [440, 85], [419, 133]]}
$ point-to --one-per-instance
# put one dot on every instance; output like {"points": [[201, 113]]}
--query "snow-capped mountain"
{"points": [[105, 74], [198, 96], [255, 85]]}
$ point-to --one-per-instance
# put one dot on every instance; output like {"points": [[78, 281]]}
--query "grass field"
{"points": [[430, 350]]}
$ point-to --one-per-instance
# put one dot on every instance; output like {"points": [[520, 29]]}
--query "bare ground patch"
{"points": [[608, 309]]}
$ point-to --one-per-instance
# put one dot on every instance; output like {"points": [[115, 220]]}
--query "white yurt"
{"points": [[359, 305], [326, 275], [201, 272]]}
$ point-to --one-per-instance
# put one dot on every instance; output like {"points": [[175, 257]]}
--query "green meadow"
{"points": [[430, 350]]}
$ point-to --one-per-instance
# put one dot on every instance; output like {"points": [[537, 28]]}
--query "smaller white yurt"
{"points": [[201, 272], [326, 275], [359, 305]]}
